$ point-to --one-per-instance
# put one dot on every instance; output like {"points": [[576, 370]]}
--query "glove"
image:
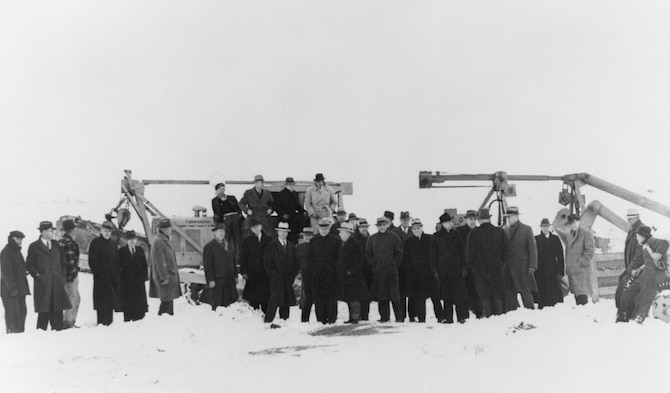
{"points": [[165, 282], [212, 284]]}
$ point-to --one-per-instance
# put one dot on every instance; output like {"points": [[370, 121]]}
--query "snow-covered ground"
{"points": [[570, 349]]}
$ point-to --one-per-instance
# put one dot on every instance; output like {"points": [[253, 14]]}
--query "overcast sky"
{"points": [[364, 91]]}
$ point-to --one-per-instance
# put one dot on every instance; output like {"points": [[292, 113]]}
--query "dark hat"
{"points": [[319, 177], [483, 214], [18, 234], [68, 225], [545, 221], [352, 216], [44, 225], [382, 220], [404, 215], [362, 222], [258, 178], [512, 210], [164, 223], [340, 210], [253, 221], [108, 225], [644, 231], [471, 214], [219, 185], [131, 235], [219, 225], [389, 214], [572, 218], [446, 217], [289, 180]]}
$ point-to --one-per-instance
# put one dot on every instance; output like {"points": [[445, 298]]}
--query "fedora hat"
{"points": [[44, 225], [324, 222], [446, 217], [416, 221], [289, 180], [319, 177], [258, 178], [219, 225], [130, 235], [283, 226], [108, 225], [382, 220], [362, 222], [484, 214], [345, 226], [164, 223], [68, 225], [545, 222], [512, 210], [644, 231]]}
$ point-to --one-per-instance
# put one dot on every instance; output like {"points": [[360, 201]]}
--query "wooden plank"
{"points": [[192, 276], [183, 182]]}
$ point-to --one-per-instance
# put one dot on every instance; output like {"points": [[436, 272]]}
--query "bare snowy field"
{"points": [[568, 350]]}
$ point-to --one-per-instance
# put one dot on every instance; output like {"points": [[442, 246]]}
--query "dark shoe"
{"points": [[384, 320], [274, 326], [447, 321], [422, 321], [461, 321], [348, 321]]}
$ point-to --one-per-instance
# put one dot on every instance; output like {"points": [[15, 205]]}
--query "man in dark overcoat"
{"points": [[322, 258], [362, 235], [134, 273], [422, 282], [485, 255], [404, 232], [632, 261], [103, 260], [447, 254], [257, 203], [252, 251], [288, 208], [281, 266], [521, 262], [71, 252], [227, 210], [46, 264], [220, 271], [163, 270], [350, 277], [13, 283], [384, 253], [306, 274], [474, 301], [550, 266]]}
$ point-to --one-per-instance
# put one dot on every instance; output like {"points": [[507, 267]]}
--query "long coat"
{"points": [[103, 260], [12, 271], [322, 259], [162, 266], [48, 269], [485, 255], [384, 253], [550, 265], [579, 250], [134, 273], [258, 205], [403, 272], [650, 278], [631, 247], [521, 256], [252, 252], [367, 267], [421, 280], [320, 203], [282, 267], [287, 203], [350, 274], [447, 254]]}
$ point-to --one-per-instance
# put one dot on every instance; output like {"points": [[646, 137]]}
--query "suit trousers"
{"points": [[385, 310], [105, 316], [272, 311], [55, 318], [325, 309], [15, 313]]}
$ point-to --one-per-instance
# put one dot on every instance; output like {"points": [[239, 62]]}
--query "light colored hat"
{"points": [[633, 213], [416, 221], [382, 220], [345, 226], [512, 210], [283, 226], [324, 222]]}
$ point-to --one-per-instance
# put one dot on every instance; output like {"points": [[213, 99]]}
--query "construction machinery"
{"points": [[570, 196]]}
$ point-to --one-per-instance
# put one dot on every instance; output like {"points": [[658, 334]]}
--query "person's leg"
{"points": [[398, 310], [365, 311], [56, 320], [23, 312], [462, 311], [384, 310], [354, 311], [487, 307], [437, 308], [498, 308], [528, 301], [12, 317], [42, 320], [332, 309], [271, 312], [320, 309], [284, 312], [420, 307], [448, 312]]}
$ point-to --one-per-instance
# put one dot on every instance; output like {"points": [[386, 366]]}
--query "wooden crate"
{"points": [[606, 269]]}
